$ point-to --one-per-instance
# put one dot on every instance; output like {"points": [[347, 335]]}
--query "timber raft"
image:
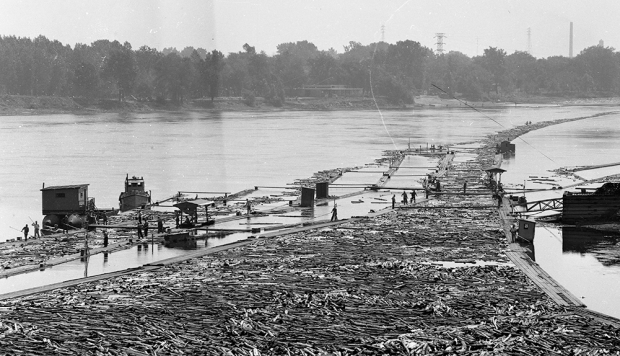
{"points": [[403, 281]]}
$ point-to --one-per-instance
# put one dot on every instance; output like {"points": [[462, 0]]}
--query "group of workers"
{"points": [[37, 229], [405, 199], [26, 230], [143, 228]]}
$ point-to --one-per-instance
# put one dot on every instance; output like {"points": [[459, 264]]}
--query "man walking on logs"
{"points": [[25, 229], [405, 197], [36, 229], [139, 230], [513, 233], [146, 228], [393, 200], [160, 225], [335, 213], [413, 195]]}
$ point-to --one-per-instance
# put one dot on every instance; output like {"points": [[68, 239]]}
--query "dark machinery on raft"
{"points": [[134, 196], [66, 206], [601, 205]]}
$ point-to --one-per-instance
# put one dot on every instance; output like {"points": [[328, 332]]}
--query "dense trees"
{"points": [[119, 66], [214, 62], [109, 69]]}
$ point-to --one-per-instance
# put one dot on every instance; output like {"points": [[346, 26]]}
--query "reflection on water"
{"points": [[183, 245], [586, 262], [603, 245], [135, 256], [530, 250]]}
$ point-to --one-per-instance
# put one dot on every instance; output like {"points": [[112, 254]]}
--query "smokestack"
{"points": [[570, 45]]}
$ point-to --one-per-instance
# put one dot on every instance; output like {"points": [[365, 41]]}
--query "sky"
{"points": [[225, 25]]}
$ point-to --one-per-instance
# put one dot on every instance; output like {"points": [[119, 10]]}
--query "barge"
{"points": [[180, 239]]}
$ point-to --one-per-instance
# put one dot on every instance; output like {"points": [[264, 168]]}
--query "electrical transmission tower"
{"points": [[529, 40], [440, 37], [382, 33]]}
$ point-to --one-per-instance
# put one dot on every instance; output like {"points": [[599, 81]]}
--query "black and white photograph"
{"points": [[318, 177]]}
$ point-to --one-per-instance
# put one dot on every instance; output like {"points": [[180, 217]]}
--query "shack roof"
{"points": [[58, 187], [192, 204], [495, 170]]}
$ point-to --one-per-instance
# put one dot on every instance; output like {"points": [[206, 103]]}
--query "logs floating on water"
{"points": [[371, 287]]}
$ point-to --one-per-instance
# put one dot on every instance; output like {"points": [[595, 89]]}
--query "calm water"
{"points": [[215, 152], [235, 151], [577, 259]]}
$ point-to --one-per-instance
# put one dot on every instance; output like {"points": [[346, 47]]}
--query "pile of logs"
{"points": [[360, 288]]}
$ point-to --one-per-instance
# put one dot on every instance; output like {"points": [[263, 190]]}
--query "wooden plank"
{"points": [[517, 259], [447, 207], [542, 279]]}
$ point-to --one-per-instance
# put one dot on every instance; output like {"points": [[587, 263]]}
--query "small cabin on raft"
{"points": [[64, 204], [505, 147], [190, 209], [602, 204]]}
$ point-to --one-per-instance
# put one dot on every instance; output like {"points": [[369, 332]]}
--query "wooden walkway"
{"points": [[542, 279], [535, 273]]}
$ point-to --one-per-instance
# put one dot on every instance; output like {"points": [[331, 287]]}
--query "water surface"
{"points": [[229, 152]]}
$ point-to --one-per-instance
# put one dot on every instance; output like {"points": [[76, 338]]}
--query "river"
{"points": [[216, 151], [585, 262], [239, 150]]}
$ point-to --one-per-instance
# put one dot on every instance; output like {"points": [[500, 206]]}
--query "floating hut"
{"points": [[65, 205], [506, 147], [190, 207], [602, 204]]}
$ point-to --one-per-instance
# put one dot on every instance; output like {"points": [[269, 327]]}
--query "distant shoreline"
{"points": [[18, 105]]}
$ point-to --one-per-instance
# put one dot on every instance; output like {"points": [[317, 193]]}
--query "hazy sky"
{"points": [[470, 26]]}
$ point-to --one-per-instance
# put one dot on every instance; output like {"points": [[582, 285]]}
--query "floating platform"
{"points": [[178, 238], [604, 203]]}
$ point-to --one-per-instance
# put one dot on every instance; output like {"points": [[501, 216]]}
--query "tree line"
{"points": [[109, 69]]}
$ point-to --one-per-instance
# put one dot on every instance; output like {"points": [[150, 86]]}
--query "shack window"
{"points": [[60, 195]]}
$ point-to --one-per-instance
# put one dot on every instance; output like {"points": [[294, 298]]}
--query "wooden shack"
{"points": [[190, 207], [307, 197], [603, 204], [322, 190], [65, 199], [527, 229], [506, 147]]}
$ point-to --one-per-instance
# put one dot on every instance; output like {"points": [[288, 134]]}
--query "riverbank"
{"points": [[15, 105], [428, 278]]}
